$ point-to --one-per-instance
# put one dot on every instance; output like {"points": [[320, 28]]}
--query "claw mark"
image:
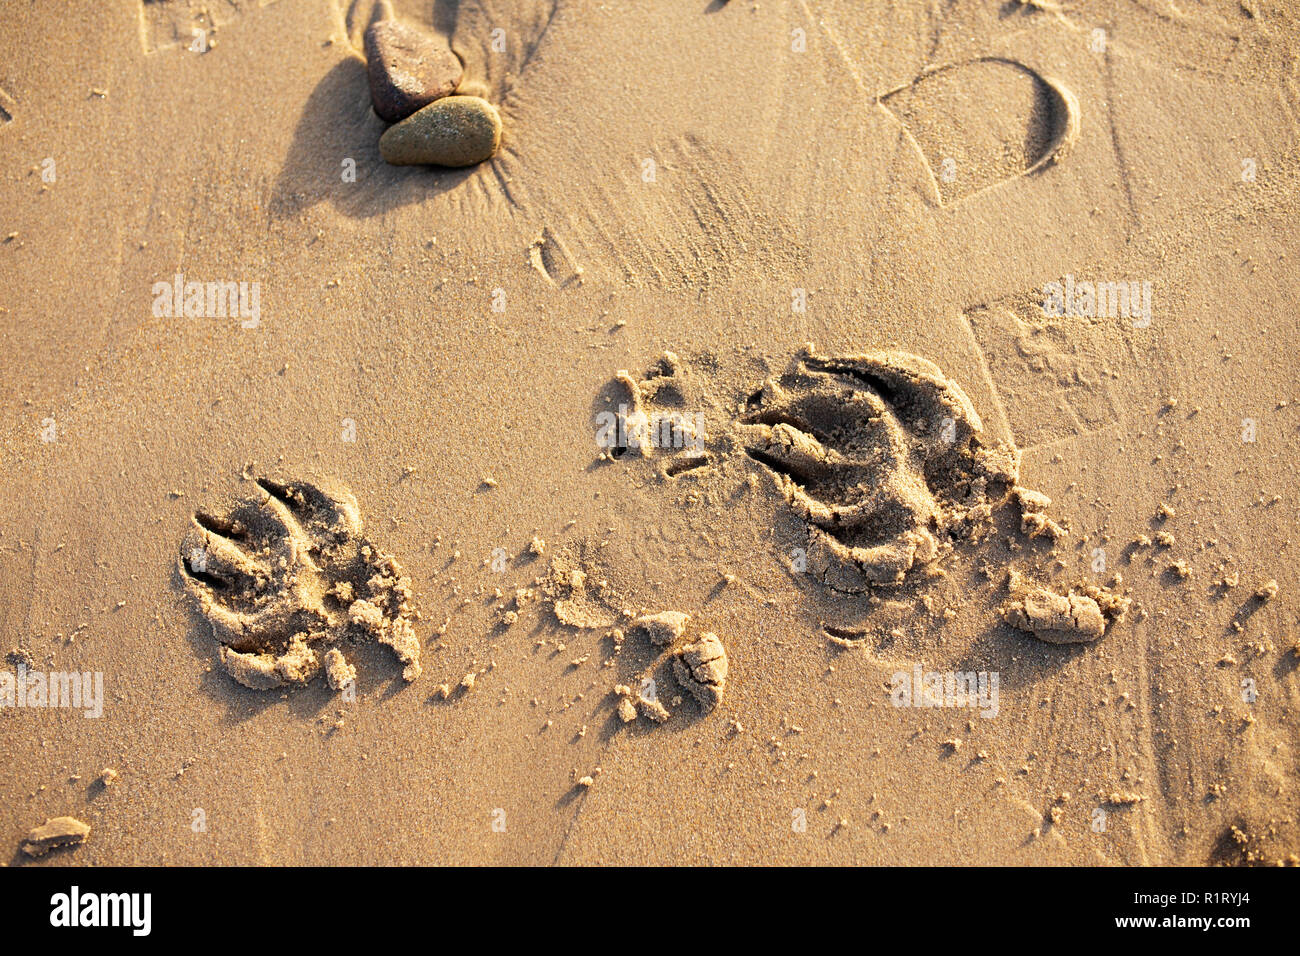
{"points": [[684, 463], [1121, 161], [874, 640]]}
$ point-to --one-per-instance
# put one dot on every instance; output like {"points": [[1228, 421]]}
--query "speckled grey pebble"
{"points": [[453, 131]]}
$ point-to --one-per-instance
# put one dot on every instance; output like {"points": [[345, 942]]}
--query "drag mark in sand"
{"points": [[551, 259], [981, 122], [165, 24], [1049, 385]]}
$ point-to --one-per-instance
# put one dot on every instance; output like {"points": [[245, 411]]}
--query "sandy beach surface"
{"points": [[964, 335]]}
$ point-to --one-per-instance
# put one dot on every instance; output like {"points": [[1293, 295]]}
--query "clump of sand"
{"points": [[54, 833], [1080, 615], [662, 628], [701, 668], [285, 574], [582, 597], [579, 594], [1034, 521]]}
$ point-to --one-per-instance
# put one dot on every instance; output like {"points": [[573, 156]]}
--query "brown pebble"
{"points": [[407, 68]]}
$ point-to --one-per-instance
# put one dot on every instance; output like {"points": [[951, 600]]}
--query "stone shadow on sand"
{"points": [[337, 124]]}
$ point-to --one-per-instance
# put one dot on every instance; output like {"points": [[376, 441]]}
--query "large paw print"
{"points": [[284, 576], [880, 454]]}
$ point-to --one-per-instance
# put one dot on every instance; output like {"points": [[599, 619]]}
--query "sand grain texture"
{"points": [[692, 194]]}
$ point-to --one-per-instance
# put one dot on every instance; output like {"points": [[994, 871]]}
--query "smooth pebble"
{"points": [[453, 131]]}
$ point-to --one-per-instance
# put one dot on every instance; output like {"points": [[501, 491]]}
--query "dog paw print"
{"points": [[284, 577], [656, 417], [880, 454]]}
